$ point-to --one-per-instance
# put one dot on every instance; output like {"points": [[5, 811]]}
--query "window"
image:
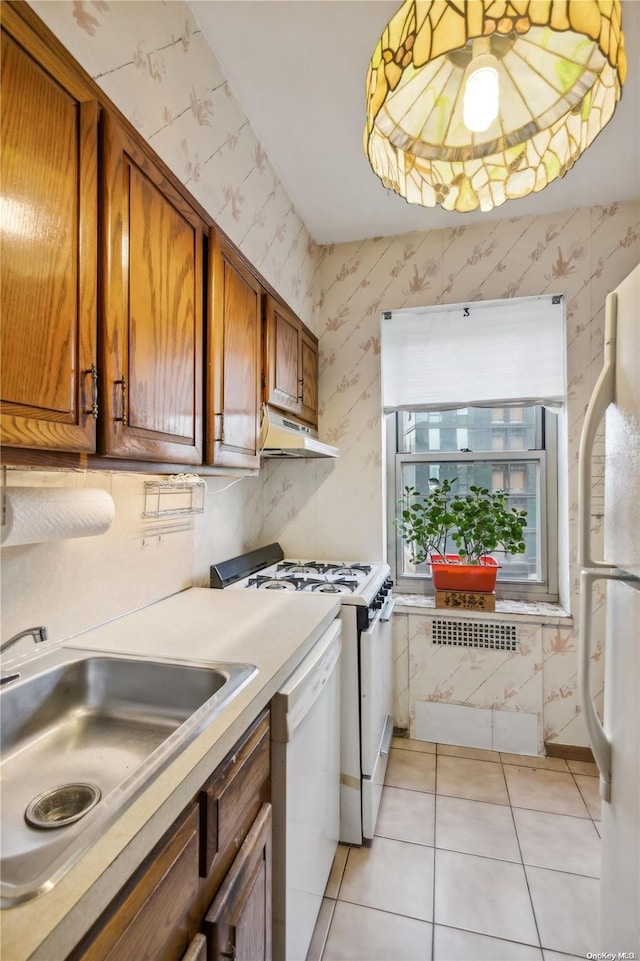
{"points": [[470, 393], [523, 464]]}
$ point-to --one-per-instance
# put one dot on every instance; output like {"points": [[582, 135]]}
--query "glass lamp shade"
{"points": [[560, 67]]}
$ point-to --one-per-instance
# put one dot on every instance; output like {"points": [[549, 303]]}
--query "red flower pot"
{"points": [[451, 573]]}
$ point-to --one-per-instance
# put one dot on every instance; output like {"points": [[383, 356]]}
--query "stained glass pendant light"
{"points": [[473, 103]]}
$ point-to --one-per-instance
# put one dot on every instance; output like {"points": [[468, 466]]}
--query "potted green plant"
{"points": [[477, 524]]}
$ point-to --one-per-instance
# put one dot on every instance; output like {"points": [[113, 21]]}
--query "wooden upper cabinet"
{"points": [[234, 361], [283, 355], [152, 298], [291, 364], [309, 385], [48, 237]]}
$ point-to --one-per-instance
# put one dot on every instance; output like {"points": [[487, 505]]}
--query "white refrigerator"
{"points": [[616, 741]]}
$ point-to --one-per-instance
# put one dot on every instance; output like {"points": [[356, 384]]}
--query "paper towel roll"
{"points": [[37, 514]]}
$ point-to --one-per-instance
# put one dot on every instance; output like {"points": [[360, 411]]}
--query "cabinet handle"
{"points": [[220, 439], [125, 410], [301, 385], [94, 391]]}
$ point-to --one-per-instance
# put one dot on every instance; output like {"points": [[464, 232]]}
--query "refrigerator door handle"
{"points": [[600, 743], [603, 395]]}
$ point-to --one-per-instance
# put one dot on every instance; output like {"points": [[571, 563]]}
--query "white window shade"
{"points": [[492, 353]]}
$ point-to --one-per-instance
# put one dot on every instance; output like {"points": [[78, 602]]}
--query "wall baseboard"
{"points": [[568, 752]]}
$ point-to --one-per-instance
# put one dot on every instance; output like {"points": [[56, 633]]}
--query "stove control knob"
{"points": [[377, 604], [388, 583]]}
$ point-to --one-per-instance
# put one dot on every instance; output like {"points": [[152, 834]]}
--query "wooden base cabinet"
{"points": [[238, 924], [152, 919], [204, 892]]}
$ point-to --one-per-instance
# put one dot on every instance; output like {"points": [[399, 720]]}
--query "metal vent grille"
{"points": [[489, 636]]}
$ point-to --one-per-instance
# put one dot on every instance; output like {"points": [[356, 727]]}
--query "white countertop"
{"points": [[271, 630]]}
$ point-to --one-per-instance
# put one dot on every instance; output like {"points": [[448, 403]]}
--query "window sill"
{"points": [[540, 612]]}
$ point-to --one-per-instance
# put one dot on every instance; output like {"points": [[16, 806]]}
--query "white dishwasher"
{"points": [[305, 788]]}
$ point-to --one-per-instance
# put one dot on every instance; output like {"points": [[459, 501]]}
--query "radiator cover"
{"points": [[486, 635]]}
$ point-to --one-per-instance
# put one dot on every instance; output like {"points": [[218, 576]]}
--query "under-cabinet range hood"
{"points": [[282, 436]]}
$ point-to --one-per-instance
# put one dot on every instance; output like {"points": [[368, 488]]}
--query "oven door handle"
{"points": [[387, 610]]}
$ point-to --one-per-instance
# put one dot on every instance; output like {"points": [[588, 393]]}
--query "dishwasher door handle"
{"points": [[387, 737], [300, 692]]}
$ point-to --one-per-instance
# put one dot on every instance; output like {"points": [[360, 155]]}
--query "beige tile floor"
{"points": [[478, 856]]}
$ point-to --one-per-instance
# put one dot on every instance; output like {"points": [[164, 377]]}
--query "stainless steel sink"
{"points": [[82, 731]]}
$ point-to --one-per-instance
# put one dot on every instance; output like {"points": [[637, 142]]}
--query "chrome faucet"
{"points": [[39, 634]]}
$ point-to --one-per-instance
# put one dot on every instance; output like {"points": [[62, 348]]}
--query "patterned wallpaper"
{"points": [[151, 59], [337, 508]]}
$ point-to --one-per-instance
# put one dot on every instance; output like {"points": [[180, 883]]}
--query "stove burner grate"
{"points": [[263, 583], [303, 568], [332, 569], [341, 586], [350, 570], [300, 570]]}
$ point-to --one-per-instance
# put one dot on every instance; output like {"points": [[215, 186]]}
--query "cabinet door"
{"points": [[153, 301], [309, 378], [48, 243], [283, 358], [151, 919], [231, 799], [234, 360], [238, 924], [291, 364]]}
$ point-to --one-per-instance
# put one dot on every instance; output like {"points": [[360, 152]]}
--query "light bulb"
{"points": [[481, 99]]}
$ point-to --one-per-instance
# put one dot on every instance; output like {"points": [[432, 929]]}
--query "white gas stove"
{"points": [[366, 664], [363, 585]]}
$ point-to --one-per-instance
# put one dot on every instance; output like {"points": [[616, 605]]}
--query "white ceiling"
{"points": [[298, 67]]}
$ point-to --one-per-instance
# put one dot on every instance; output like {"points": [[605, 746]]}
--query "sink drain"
{"points": [[62, 805]]}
